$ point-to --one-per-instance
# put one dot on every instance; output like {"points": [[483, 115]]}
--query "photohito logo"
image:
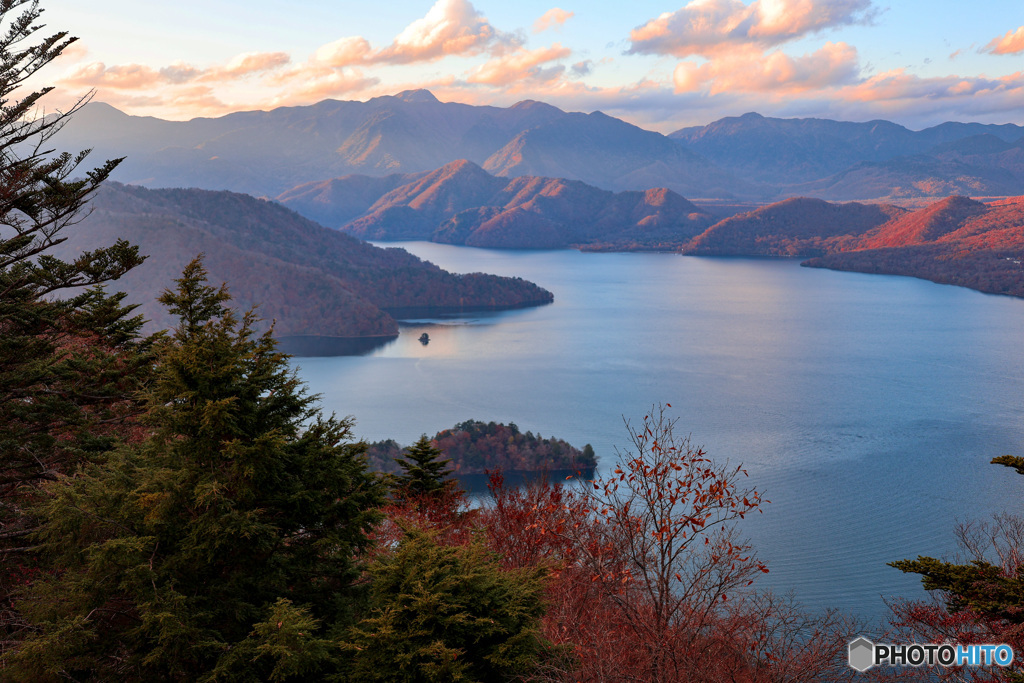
{"points": [[864, 654]]}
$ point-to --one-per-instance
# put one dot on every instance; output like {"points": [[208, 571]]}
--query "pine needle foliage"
{"points": [[424, 471], [448, 613], [181, 557], [70, 354]]}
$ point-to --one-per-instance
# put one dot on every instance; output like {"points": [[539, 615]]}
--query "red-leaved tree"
{"points": [[650, 581]]}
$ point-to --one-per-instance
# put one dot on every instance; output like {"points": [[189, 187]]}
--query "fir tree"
{"points": [[244, 509], [424, 472]]}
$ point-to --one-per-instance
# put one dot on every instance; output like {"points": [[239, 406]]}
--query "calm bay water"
{"points": [[865, 407]]}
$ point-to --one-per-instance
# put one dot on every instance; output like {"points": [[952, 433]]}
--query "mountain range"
{"points": [[314, 281], [460, 203], [267, 153], [270, 153], [409, 167]]}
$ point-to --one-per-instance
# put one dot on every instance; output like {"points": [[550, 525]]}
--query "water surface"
{"points": [[866, 407]]}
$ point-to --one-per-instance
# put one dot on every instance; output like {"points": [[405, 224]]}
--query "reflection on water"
{"points": [[477, 487], [865, 407]]}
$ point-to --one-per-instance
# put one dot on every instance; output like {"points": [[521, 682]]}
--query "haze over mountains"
{"points": [[747, 157], [815, 156]]}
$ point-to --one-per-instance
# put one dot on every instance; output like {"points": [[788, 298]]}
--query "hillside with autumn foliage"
{"points": [[794, 227], [461, 203], [311, 280], [476, 447], [957, 241]]}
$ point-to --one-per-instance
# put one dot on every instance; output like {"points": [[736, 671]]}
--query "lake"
{"points": [[865, 407]]}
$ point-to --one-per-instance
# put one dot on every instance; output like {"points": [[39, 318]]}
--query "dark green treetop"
{"points": [[448, 613], [424, 471], [60, 355]]}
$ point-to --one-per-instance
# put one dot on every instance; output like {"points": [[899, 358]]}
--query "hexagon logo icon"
{"points": [[862, 654]]}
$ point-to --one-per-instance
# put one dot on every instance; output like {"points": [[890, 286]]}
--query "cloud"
{"points": [[553, 18], [451, 27], [711, 27], [584, 68], [315, 85], [140, 76], [900, 86], [521, 66], [75, 52], [196, 100], [775, 72], [1010, 44], [343, 52], [247, 64], [121, 77]]}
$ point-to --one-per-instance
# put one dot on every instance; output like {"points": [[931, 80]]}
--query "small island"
{"points": [[475, 447]]}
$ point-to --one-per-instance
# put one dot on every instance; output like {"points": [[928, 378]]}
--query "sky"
{"points": [[660, 64]]}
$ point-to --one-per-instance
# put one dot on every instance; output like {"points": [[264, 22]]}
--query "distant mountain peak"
{"points": [[751, 115], [533, 104], [420, 96]]}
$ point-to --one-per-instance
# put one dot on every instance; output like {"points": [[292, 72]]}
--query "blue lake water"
{"points": [[865, 407]]}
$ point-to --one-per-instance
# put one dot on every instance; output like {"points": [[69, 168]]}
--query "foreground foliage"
{"points": [[70, 357], [448, 613], [171, 558], [980, 600], [651, 581]]}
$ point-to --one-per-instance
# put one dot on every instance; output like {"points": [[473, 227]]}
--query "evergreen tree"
{"points": [[181, 557], [69, 360], [48, 386], [424, 472], [448, 613]]}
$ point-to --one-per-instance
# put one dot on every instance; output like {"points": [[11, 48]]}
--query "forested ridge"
{"points": [[957, 240], [309, 279], [476, 447]]}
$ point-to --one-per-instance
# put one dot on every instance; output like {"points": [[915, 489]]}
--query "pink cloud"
{"points": [[124, 76], [1010, 44], [343, 52], [520, 66], [553, 18], [710, 27], [451, 27], [898, 85], [753, 71], [311, 84], [75, 52], [192, 101], [247, 64], [140, 76]]}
